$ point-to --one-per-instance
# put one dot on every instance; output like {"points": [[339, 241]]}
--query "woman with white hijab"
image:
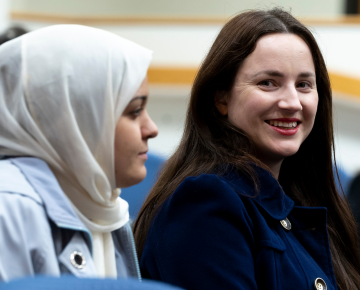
{"points": [[74, 129]]}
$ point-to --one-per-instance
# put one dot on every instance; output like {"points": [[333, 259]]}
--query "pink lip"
{"points": [[143, 155], [286, 132]]}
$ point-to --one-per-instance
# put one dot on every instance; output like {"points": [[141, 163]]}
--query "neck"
{"points": [[275, 169], [273, 165]]}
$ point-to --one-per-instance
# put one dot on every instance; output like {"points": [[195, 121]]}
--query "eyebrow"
{"points": [[275, 73], [143, 98], [306, 74]]}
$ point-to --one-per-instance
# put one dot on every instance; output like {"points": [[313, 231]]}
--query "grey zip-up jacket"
{"points": [[41, 234]]}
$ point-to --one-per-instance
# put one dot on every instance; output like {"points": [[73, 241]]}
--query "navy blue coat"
{"points": [[212, 233]]}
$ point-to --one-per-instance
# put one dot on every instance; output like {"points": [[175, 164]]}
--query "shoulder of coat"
{"points": [[14, 182]]}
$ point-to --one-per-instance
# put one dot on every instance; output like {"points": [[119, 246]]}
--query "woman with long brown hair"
{"points": [[248, 200]]}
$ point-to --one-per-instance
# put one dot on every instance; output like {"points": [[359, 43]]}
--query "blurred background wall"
{"points": [[202, 8], [4, 14], [180, 34]]}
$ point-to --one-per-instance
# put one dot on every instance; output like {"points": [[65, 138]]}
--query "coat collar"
{"points": [[270, 195], [57, 205]]}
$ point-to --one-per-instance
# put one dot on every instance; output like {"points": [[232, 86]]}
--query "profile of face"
{"points": [[132, 132], [274, 98]]}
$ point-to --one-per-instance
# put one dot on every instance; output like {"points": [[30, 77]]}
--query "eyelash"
{"points": [[137, 112], [262, 83], [306, 83]]}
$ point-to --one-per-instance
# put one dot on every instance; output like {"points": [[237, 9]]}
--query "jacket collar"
{"points": [[270, 196], [57, 205]]}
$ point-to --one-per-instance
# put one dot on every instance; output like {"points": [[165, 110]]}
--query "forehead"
{"points": [[143, 90], [280, 52]]}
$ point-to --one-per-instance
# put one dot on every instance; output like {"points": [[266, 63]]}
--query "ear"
{"points": [[221, 103]]}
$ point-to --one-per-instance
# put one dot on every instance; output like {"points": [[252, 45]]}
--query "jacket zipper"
{"points": [[135, 255]]}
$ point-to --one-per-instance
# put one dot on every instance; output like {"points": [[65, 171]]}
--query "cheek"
{"points": [[127, 139], [310, 109], [246, 111], [129, 170]]}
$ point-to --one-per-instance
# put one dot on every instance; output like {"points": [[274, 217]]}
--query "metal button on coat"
{"points": [[286, 224], [320, 284], [77, 260]]}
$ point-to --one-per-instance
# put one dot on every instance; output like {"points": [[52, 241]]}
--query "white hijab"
{"points": [[62, 90]]}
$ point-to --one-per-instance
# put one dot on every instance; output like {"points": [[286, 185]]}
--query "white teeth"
{"points": [[283, 124]]}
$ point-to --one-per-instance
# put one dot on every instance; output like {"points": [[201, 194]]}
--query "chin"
{"points": [[287, 149], [288, 152], [277, 155], [133, 178]]}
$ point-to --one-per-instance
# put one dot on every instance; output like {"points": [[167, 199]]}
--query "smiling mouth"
{"points": [[282, 124]]}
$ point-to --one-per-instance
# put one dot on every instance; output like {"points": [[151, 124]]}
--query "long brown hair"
{"points": [[210, 139]]}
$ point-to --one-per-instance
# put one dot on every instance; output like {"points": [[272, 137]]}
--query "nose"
{"points": [[149, 128], [290, 100]]}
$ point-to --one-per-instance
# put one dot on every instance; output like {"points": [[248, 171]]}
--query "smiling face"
{"points": [[274, 98], [133, 130]]}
